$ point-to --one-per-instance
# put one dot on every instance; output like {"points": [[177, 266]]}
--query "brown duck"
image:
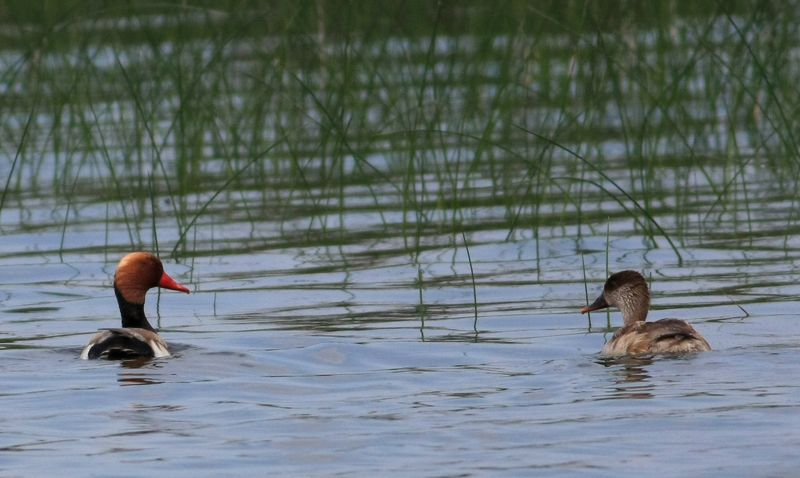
{"points": [[627, 290], [136, 274]]}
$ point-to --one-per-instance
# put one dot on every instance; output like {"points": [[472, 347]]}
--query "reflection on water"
{"points": [[136, 380], [128, 377], [630, 377]]}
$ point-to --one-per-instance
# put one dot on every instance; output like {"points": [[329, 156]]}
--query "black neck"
{"points": [[132, 314]]}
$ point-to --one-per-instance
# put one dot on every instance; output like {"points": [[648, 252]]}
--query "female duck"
{"points": [[136, 274], [627, 290]]}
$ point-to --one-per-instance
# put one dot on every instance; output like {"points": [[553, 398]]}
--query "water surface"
{"points": [[386, 263]]}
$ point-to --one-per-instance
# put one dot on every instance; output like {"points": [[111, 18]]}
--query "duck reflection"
{"points": [[630, 377], [137, 380], [130, 374]]}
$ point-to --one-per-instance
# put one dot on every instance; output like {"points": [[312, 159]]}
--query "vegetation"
{"points": [[350, 122]]}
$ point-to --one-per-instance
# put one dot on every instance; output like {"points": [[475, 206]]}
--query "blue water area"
{"points": [[389, 222], [254, 393]]}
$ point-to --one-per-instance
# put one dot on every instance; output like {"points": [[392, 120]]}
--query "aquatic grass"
{"points": [[424, 124], [336, 126], [20, 148], [616, 186], [69, 197], [782, 127], [154, 241], [586, 290], [474, 286], [421, 308], [785, 133], [201, 210], [745, 161], [103, 150], [153, 229], [397, 155], [456, 195], [157, 163], [665, 101]]}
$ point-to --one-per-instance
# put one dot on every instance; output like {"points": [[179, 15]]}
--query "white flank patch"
{"points": [[159, 348]]}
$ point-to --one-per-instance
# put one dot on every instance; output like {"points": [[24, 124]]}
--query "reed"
{"points": [[420, 118], [474, 286]]}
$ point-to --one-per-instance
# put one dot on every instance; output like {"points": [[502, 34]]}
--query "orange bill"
{"points": [[168, 282]]}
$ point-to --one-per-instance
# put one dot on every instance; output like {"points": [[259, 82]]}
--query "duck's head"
{"points": [[139, 272], [627, 291]]}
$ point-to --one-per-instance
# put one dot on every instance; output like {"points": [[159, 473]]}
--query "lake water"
{"points": [[386, 265]]}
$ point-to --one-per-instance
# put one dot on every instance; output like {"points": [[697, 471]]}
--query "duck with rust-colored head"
{"points": [[627, 291], [136, 273]]}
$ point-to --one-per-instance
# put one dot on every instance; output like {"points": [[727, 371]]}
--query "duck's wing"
{"points": [[675, 336], [125, 343], [662, 336]]}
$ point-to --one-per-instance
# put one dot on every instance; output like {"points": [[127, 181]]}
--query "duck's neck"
{"points": [[635, 309], [132, 314]]}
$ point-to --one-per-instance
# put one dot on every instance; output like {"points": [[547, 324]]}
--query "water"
{"points": [[332, 327], [240, 401]]}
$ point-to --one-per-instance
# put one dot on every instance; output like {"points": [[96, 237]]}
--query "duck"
{"points": [[627, 290], [136, 273]]}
